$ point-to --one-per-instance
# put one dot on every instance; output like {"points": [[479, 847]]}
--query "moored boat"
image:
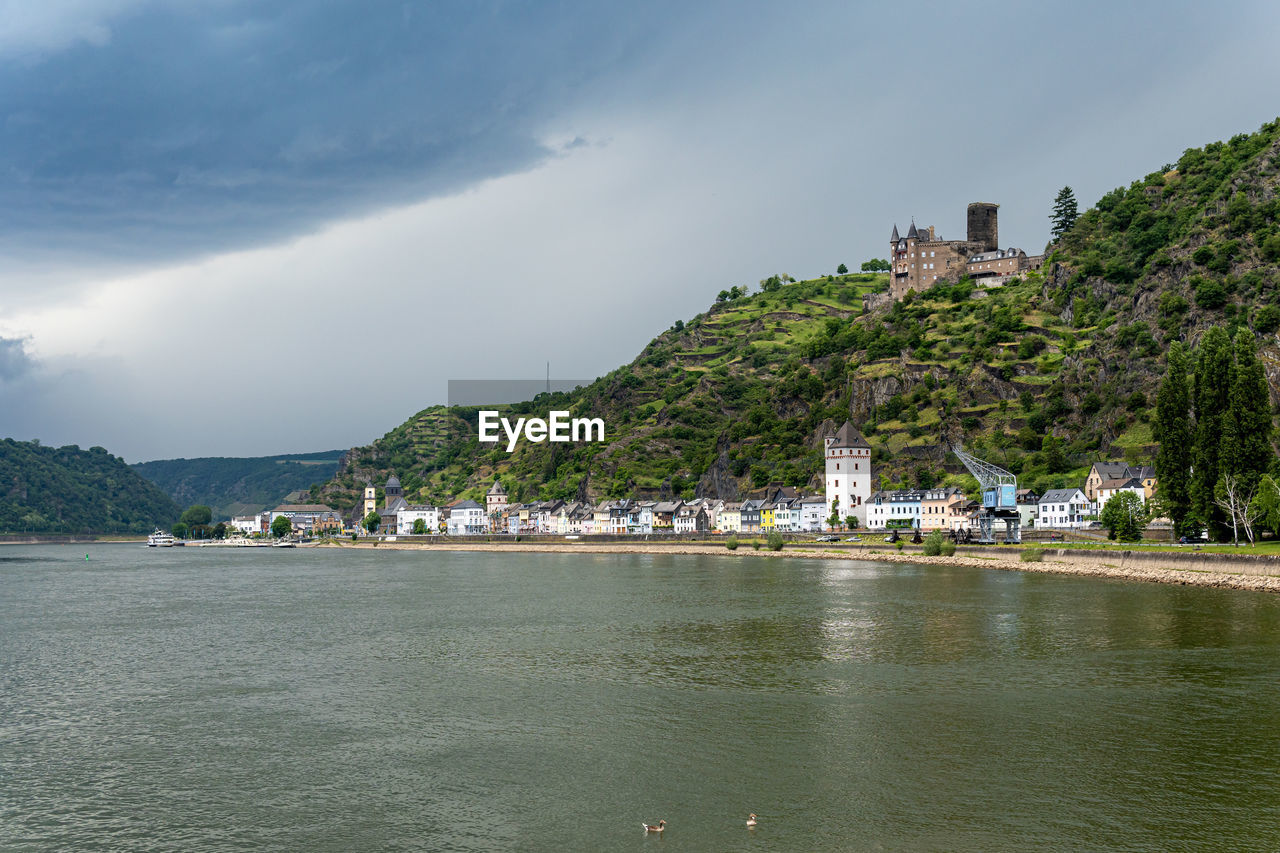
{"points": [[160, 539]]}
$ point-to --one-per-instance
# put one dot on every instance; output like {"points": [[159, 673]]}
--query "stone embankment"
{"points": [[1191, 569]]}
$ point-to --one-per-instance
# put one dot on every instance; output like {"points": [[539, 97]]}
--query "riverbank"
{"points": [[1095, 565]]}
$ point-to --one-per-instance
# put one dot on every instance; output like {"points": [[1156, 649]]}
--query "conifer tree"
{"points": [[1065, 213], [1211, 399], [1246, 430], [1174, 434]]}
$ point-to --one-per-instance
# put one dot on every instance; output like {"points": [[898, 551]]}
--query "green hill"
{"points": [[69, 490], [1043, 376], [238, 486]]}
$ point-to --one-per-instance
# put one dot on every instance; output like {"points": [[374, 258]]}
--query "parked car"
{"points": [[828, 539], [853, 539]]}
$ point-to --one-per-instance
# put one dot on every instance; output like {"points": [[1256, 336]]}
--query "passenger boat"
{"points": [[160, 539]]}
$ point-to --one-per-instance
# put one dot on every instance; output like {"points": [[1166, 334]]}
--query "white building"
{"points": [[848, 476], [1110, 488], [407, 515], [249, 524], [465, 518], [1064, 509], [900, 510], [813, 514]]}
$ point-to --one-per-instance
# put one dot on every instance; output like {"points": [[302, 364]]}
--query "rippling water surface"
{"points": [[211, 699]]}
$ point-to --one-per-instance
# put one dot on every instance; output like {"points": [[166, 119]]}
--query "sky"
{"points": [[248, 228]]}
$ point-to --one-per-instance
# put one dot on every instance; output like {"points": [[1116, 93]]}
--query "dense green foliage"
{"points": [[1173, 432], [239, 486], [69, 490]]}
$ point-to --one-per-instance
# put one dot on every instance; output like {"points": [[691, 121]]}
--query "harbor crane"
{"points": [[999, 498]]}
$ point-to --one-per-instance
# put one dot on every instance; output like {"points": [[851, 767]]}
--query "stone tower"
{"points": [[370, 499], [983, 232], [848, 473], [393, 490]]}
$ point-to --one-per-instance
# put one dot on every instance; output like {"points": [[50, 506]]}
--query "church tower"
{"points": [[848, 473], [370, 500]]}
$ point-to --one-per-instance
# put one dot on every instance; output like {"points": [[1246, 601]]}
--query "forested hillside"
{"points": [[237, 486], [69, 490], [1043, 376]]}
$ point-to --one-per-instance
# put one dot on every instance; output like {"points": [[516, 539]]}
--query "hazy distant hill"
{"points": [[239, 485], [69, 490]]}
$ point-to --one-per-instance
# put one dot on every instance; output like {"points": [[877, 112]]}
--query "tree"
{"points": [[179, 530], [833, 520], [219, 530], [851, 522], [1237, 501], [371, 521], [419, 526], [875, 265], [1065, 212], [1173, 432], [1055, 460], [197, 519], [1267, 503], [281, 526], [1124, 516], [1210, 398], [841, 270], [1246, 429]]}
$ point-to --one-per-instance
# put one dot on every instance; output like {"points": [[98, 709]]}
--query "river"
{"points": [[314, 699]]}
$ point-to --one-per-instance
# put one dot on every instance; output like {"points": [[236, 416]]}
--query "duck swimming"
{"points": [[751, 821], [654, 827]]}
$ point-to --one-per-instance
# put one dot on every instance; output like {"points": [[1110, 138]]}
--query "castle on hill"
{"points": [[921, 259]]}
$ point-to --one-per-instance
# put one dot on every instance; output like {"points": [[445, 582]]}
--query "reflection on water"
{"points": [[322, 700]]}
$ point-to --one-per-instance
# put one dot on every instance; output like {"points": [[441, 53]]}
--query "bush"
{"points": [[775, 542], [948, 548], [1032, 555], [731, 543], [1267, 320], [933, 544], [898, 544]]}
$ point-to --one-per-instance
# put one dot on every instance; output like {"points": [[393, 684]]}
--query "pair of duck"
{"points": [[662, 824]]}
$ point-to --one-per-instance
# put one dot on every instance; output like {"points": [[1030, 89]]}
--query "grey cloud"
{"points": [[14, 361], [196, 128]]}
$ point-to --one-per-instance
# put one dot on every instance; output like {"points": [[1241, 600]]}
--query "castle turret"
{"points": [[983, 233]]}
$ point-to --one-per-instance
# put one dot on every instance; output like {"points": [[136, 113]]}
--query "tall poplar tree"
{"points": [[1174, 434], [1211, 399], [1246, 429]]}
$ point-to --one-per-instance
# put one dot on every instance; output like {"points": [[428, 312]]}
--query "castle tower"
{"points": [[848, 476], [370, 499], [983, 232]]}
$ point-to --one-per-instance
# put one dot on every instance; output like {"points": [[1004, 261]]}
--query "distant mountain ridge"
{"points": [[54, 490], [233, 486]]}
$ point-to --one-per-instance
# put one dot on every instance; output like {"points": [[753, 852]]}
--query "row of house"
{"points": [[847, 495], [950, 509], [783, 510]]}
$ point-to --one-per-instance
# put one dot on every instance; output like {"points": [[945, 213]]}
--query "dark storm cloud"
{"points": [[14, 361], [176, 129]]}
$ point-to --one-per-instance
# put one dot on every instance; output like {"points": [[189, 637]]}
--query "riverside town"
{"points": [[645, 427]]}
